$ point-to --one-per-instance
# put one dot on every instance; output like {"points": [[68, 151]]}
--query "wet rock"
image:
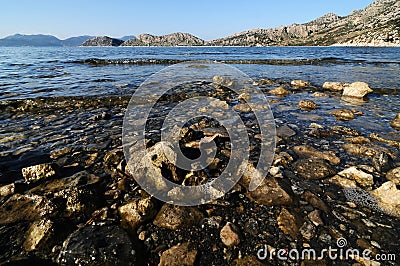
{"points": [[362, 178], [305, 151], [250, 260], [315, 201], [382, 162], [300, 83], [307, 230], [358, 140], [221, 81], [307, 105], [357, 90], [37, 172], [97, 245], [174, 217], [182, 254], [395, 123], [334, 86], [220, 104], [113, 159], [244, 97], [315, 218], [390, 139], [394, 175], [313, 169], [25, 208], [343, 182], [270, 193], [60, 152], [343, 114], [289, 223], [280, 91], [10, 189], [137, 212], [388, 197], [359, 150], [38, 234], [242, 107], [230, 235], [285, 132]]}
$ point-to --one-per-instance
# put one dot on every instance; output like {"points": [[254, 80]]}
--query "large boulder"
{"points": [[357, 90]]}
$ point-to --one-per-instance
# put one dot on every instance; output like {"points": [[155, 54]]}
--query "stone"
{"points": [[102, 41], [358, 140], [38, 234], [334, 86], [313, 169], [36, 172], [359, 150], [307, 230], [382, 162], [112, 159], [308, 105], [97, 245], [285, 132], [388, 197], [270, 193], [137, 212], [221, 81], [60, 152], [289, 223], [249, 260], [10, 189], [220, 104], [230, 235], [244, 97], [362, 178], [182, 254], [343, 182], [343, 114], [315, 201], [315, 218], [300, 83], [394, 176], [175, 217], [280, 91], [357, 90], [305, 151], [395, 123]]}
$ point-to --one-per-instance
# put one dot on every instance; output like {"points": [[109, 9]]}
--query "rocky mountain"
{"points": [[174, 39], [102, 41], [41, 40], [377, 24]]}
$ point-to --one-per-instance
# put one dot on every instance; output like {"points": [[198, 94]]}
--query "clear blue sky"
{"points": [[207, 19]]}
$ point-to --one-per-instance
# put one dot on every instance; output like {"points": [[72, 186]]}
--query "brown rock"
{"points": [[305, 151], [179, 255], [174, 217], [362, 178], [39, 232], [230, 235], [308, 105], [307, 230], [395, 123], [334, 86], [358, 140], [280, 91], [343, 114], [10, 189], [357, 90], [315, 201], [137, 212], [394, 175], [37, 172], [313, 169], [289, 223], [250, 260], [315, 218], [270, 193], [388, 197], [343, 182], [300, 83]]}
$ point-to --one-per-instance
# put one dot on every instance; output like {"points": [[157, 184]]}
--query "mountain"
{"points": [[102, 41], [376, 25], [76, 41], [128, 37], [30, 40], [174, 39]]}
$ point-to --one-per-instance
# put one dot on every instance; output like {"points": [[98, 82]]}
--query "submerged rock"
{"points": [[300, 83], [305, 151], [343, 114], [334, 86], [182, 254], [37, 172], [270, 193], [308, 105], [280, 91], [357, 90], [97, 245], [174, 217], [313, 169], [395, 123]]}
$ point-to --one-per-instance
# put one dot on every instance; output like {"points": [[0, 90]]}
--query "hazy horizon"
{"points": [[206, 19]]}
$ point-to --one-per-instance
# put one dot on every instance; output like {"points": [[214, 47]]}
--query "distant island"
{"points": [[376, 25]]}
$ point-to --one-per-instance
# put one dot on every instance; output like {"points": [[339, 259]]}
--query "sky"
{"points": [[207, 19]]}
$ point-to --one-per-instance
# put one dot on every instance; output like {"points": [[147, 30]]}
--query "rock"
{"points": [[285, 132], [300, 83], [221, 81], [357, 90], [343, 182], [10, 189], [315, 218], [175, 217], [362, 178], [358, 140], [395, 123], [137, 212], [307, 230], [289, 223], [230, 235], [305, 151], [220, 104], [112, 159], [343, 114], [38, 234], [382, 162], [37, 172], [102, 41], [173, 39], [181, 254], [97, 245], [270, 193], [388, 197], [244, 97], [60, 152], [280, 91], [394, 175], [334, 86], [307, 105], [392, 139], [315, 201], [359, 150], [313, 169], [26, 207], [249, 260]]}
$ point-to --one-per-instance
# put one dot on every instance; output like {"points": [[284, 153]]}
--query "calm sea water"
{"points": [[27, 72]]}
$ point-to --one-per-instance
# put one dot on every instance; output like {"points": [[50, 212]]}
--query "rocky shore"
{"points": [[67, 197]]}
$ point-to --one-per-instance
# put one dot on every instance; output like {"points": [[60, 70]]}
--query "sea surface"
{"points": [[27, 72]]}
